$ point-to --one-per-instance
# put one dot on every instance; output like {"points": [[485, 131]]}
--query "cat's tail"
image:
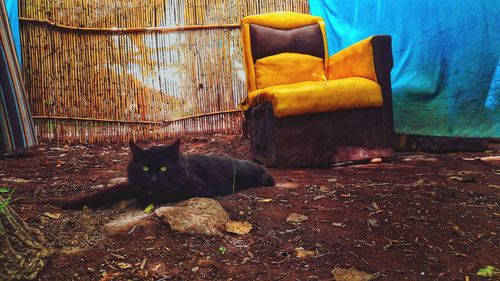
{"points": [[104, 197]]}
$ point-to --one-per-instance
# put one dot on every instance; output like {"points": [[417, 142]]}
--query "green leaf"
{"points": [[4, 190], [487, 271], [149, 208]]}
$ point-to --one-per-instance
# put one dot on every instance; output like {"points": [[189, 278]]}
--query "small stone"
{"points": [[195, 269], [376, 160]]}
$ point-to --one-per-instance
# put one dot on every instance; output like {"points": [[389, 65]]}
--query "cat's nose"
{"points": [[154, 177]]}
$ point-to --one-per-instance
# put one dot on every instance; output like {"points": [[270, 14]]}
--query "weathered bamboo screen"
{"points": [[102, 70]]}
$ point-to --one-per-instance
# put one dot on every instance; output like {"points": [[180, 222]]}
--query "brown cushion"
{"points": [[267, 41]]}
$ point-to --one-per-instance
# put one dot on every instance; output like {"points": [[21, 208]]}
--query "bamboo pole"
{"points": [[89, 66]]}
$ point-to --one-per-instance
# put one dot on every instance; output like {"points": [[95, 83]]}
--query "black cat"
{"points": [[162, 174]]}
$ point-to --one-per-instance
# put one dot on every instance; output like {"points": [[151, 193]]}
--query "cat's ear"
{"points": [[173, 149], [137, 151], [176, 145]]}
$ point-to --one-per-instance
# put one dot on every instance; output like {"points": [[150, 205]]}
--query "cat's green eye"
{"points": [[145, 168], [163, 169]]}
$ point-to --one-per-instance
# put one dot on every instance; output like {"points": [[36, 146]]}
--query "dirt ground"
{"points": [[417, 217]]}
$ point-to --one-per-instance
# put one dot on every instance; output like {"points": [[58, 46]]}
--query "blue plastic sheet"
{"points": [[13, 14], [446, 71]]}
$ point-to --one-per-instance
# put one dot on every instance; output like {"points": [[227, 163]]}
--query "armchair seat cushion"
{"points": [[318, 96], [287, 68]]}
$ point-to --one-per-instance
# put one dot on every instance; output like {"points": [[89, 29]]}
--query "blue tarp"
{"points": [[13, 14], [446, 75], [16, 126]]}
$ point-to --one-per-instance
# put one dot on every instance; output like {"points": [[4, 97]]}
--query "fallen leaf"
{"points": [[325, 189], [491, 158], [123, 265], [494, 186], [107, 276], [420, 182], [143, 263], [266, 200], [352, 274], [319, 197], [207, 263], [118, 256], [488, 271], [4, 190], [238, 227], [149, 208], [372, 222], [53, 216], [458, 231], [294, 217], [337, 224], [462, 179], [288, 185], [331, 180], [302, 254], [16, 180]]}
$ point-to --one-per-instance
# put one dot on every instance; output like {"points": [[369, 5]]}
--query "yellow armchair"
{"points": [[304, 108]]}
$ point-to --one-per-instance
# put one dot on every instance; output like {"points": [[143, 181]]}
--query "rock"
{"points": [[376, 160], [128, 222], [195, 216]]}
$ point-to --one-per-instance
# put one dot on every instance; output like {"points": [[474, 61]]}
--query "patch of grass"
{"points": [[5, 202], [234, 178]]}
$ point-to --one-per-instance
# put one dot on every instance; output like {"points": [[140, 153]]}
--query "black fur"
{"points": [[182, 177]]}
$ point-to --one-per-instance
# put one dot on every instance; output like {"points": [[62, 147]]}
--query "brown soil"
{"points": [[419, 217]]}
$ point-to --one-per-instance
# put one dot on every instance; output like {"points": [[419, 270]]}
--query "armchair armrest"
{"points": [[370, 58]]}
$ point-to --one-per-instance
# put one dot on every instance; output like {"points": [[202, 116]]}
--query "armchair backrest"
{"points": [[283, 47]]}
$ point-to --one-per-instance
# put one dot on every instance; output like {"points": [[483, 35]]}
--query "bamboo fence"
{"points": [[102, 70]]}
